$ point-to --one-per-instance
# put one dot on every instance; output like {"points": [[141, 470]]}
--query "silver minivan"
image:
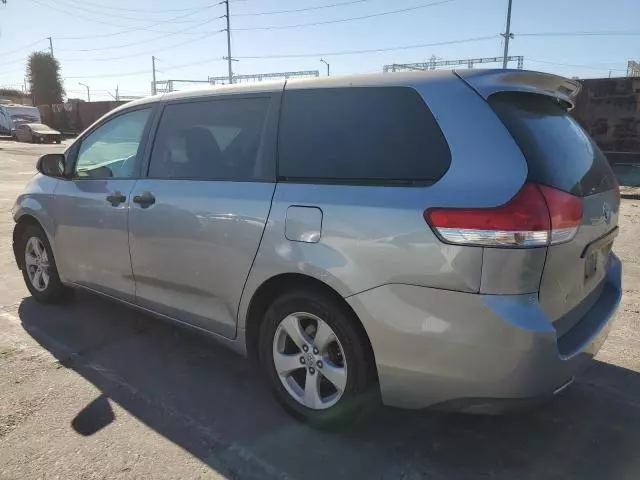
{"points": [[424, 239]]}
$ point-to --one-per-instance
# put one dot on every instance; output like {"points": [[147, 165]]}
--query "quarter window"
{"points": [[363, 135], [216, 139]]}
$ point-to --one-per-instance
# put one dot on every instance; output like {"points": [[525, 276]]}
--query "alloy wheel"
{"points": [[309, 361], [36, 262]]}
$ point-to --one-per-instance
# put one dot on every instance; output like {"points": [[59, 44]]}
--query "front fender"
{"points": [[36, 201]]}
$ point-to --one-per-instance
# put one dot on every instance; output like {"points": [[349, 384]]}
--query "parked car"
{"points": [[424, 239], [12, 116], [37, 133]]}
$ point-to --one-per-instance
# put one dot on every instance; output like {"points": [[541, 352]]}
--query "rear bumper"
{"points": [[471, 352]]}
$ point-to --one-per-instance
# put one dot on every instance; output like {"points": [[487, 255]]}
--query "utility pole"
{"points": [[50, 45], [327, 64], [229, 58], [88, 93], [507, 36], [117, 93], [153, 66]]}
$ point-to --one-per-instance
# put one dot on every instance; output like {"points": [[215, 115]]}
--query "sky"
{"points": [[109, 44]]}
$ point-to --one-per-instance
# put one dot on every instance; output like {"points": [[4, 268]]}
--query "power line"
{"points": [[296, 10], [13, 62], [372, 50], [26, 47], [133, 55], [146, 72], [145, 53], [149, 40], [350, 19], [141, 10], [612, 33], [129, 30], [124, 17]]}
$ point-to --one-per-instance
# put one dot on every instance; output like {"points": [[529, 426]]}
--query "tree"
{"points": [[43, 72]]}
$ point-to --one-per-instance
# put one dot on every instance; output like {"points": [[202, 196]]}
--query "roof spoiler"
{"points": [[488, 82]]}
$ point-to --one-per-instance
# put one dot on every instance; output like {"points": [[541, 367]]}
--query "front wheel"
{"points": [[318, 362], [39, 267]]}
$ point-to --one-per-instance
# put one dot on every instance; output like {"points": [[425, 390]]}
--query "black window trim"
{"points": [[373, 182], [268, 144], [365, 182], [71, 155]]}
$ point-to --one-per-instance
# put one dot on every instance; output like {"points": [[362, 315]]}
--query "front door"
{"points": [[92, 208], [197, 220]]}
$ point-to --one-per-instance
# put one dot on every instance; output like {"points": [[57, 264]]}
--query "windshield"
{"points": [[39, 127], [20, 118]]}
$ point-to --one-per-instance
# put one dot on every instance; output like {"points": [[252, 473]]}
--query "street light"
{"points": [[327, 64], [88, 93]]}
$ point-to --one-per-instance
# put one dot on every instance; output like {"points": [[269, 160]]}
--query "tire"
{"points": [[360, 394], [52, 291]]}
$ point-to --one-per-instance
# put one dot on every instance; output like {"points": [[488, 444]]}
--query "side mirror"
{"points": [[51, 165]]}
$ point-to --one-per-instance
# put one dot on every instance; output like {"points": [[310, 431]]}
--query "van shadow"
{"points": [[212, 403]]}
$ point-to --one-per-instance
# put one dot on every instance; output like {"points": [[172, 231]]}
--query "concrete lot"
{"points": [[94, 390]]}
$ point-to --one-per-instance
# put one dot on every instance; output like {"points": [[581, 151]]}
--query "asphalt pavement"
{"points": [[94, 390]]}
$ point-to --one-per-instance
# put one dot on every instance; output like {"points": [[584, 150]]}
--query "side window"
{"points": [[112, 150], [366, 134], [214, 139]]}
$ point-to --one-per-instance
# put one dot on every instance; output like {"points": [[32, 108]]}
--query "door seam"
{"points": [[253, 261], [133, 273]]}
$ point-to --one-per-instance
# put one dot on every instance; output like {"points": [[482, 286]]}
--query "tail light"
{"points": [[537, 216]]}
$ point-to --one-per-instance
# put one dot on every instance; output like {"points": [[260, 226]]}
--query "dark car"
{"points": [[37, 133]]}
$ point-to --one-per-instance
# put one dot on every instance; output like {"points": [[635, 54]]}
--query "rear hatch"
{"points": [[561, 155]]}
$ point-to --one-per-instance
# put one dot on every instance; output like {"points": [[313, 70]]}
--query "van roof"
{"points": [[372, 79], [502, 78]]}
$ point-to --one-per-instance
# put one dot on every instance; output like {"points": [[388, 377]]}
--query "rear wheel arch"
{"points": [[275, 286]]}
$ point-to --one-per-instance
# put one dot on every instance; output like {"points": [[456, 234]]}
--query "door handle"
{"points": [[145, 199], [116, 199]]}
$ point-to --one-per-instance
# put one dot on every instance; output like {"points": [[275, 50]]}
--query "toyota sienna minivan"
{"points": [[424, 239]]}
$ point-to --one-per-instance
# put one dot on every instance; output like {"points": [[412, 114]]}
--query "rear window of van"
{"points": [[559, 152]]}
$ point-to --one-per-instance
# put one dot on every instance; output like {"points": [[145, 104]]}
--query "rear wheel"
{"points": [[316, 360], [39, 268]]}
